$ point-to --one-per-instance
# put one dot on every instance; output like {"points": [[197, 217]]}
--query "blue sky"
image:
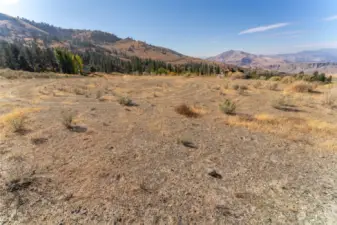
{"points": [[195, 27]]}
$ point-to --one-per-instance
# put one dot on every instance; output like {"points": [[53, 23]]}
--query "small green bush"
{"points": [[235, 86], [275, 78], [288, 79], [228, 107]]}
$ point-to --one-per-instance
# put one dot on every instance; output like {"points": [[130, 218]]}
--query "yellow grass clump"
{"points": [[16, 120], [285, 126], [288, 80]]}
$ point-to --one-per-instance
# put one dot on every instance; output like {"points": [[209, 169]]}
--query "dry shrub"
{"points": [[283, 103], [288, 80], [226, 85], [125, 101], [327, 98], [257, 84], [99, 94], [79, 91], [243, 87], [227, 107], [187, 111], [68, 119], [186, 142], [235, 86], [272, 86], [16, 121], [301, 87], [237, 75]]}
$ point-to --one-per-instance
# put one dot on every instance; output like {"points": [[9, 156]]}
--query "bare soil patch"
{"points": [[148, 164]]}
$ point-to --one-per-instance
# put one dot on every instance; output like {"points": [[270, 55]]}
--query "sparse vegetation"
{"points": [[228, 107]]}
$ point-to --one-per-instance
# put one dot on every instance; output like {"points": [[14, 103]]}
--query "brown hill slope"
{"points": [[25, 30]]}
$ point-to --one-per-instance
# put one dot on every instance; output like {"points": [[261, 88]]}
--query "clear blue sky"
{"points": [[196, 27]]}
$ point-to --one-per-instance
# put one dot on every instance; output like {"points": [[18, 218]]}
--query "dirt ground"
{"points": [[128, 165]]}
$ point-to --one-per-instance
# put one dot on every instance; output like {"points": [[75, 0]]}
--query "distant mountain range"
{"points": [[324, 60], [23, 30]]}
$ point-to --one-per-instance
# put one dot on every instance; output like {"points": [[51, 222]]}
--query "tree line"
{"points": [[32, 57]]}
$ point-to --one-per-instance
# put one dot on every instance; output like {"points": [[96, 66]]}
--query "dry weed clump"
{"points": [[227, 107], [301, 87], [187, 111]]}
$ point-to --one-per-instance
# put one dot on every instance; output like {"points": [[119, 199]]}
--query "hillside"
{"points": [[81, 40], [308, 61], [241, 58]]}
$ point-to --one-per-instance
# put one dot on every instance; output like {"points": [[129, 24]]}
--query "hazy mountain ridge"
{"points": [[324, 60]]}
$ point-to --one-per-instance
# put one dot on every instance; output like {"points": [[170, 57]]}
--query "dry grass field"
{"points": [[167, 150]]}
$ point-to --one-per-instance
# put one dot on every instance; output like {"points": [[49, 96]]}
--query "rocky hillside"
{"points": [[81, 40], [318, 56]]}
